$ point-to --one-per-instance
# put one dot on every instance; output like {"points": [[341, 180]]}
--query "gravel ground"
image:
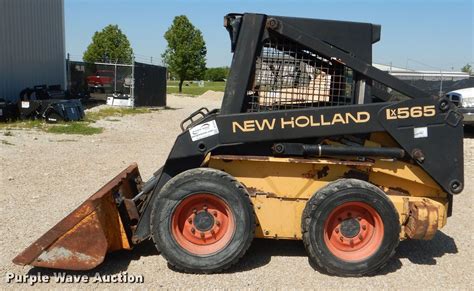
{"points": [[45, 176]]}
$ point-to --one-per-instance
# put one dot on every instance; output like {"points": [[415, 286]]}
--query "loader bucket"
{"points": [[82, 239]]}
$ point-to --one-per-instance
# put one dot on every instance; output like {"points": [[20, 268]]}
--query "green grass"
{"points": [[193, 88], [82, 128], [114, 112], [24, 124], [74, 127]]}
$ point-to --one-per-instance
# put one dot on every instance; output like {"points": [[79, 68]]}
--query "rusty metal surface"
{"points": [[397, 191], [81, 240], [132, 211], [422, 221]]}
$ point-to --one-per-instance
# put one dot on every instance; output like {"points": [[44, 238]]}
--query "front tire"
{"points": [[202, 221], [350, 228]]}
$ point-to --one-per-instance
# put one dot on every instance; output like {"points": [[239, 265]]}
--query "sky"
{"points": [[423, 35]]}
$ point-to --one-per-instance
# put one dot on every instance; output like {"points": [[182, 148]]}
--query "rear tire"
{"points": [[202, 221], [350, 228]]}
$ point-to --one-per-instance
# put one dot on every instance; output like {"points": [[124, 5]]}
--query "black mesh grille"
{"points": [[288, 76]]}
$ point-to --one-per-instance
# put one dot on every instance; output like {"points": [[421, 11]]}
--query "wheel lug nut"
{"points": [[213, 232], [341, 238], [204, 207], [194, 210], [202, 234], [364, 227], [359, 218], [214, 213], [193, 230], [337, 230], [190, 220], [360, 237], [218, 223]]}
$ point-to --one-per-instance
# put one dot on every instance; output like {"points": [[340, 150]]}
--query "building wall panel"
{"points": [[32, 45]]}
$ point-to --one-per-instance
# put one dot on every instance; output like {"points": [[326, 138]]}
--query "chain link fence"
{"points": [[143, 84]]}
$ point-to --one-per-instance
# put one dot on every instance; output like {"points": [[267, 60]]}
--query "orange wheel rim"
{"points": [[202, 224], [353, 231]]}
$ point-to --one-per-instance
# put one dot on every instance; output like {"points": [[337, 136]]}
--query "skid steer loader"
{"points": [[311, 143]]}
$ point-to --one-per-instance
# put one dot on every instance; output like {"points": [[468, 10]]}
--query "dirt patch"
{"points": [[212, 95]]}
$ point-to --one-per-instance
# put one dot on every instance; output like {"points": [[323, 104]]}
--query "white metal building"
{"points": [[407, 74], [32, 45]]}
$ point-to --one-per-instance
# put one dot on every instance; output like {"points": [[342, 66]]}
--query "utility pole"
{"points": [[115, 76], [132, 85], [441, 84]]}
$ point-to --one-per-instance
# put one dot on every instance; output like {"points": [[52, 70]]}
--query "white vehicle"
{"points": [[464, 98]]}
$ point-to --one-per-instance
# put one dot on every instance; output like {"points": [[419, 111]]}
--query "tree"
{"points": [[467, 69], [216, 74], [109, 45], [185, 55]]}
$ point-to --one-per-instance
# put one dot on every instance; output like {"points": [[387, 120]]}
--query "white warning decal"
{"points": [[420, 132], [204, 130]]}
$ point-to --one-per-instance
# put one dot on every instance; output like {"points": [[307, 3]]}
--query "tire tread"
{"points": [[311, 206], [194, 173]]}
